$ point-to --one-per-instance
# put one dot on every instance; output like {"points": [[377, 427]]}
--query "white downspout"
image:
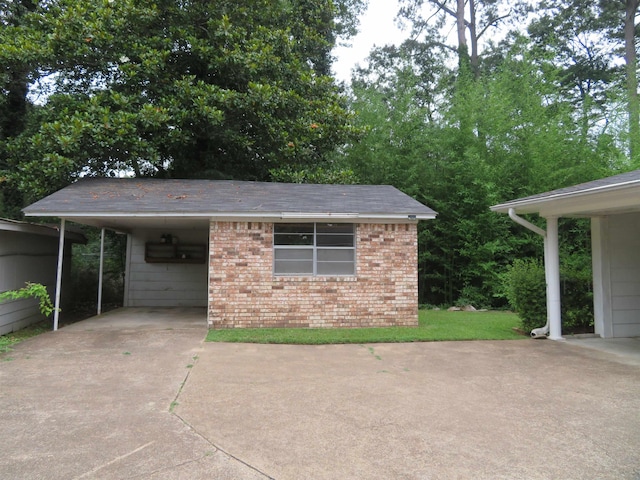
{"points": [[99, 311], [553, 327], [56, 311]]}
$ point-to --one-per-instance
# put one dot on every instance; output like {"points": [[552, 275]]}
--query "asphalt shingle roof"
{"points": [[198, 197]]}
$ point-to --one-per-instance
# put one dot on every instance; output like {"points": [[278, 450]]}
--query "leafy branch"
{"points": [[31, 290]]}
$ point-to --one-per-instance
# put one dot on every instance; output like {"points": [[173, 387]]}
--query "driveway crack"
{"points": [[175, 403]]}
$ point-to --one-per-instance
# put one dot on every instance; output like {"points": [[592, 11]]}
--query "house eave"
{"points": [[35, 229], [595, 201], [245, 216]]}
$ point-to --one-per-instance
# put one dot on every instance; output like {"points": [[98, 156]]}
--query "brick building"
{"points": [[259, 254]]}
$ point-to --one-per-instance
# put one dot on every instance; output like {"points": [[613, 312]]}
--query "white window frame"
{"points": [[314, 248]]}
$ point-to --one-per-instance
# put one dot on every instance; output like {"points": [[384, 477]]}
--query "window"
{"points": [[314, 249]]}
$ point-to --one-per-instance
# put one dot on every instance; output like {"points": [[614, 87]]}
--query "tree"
{"points": [[14, 105], [588, 48], [210, 89], [475, 17], [416, 140]]}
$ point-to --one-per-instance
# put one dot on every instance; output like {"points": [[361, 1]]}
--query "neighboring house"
{"points": [[28, 253], [613, 205], [259, 254]]}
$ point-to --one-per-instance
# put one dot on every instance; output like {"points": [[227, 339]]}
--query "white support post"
{"points": [[100, 272], [56, 312], [552, 269]]}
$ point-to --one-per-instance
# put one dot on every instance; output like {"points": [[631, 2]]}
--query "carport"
{"points": [[155, 275], [613, 205]]}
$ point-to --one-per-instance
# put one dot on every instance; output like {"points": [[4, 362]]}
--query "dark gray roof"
{"points": [[94, 196]]}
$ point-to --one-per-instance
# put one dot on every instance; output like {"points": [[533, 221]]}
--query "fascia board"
{"points": [[262, 216], [42, 230], [569, 203]]}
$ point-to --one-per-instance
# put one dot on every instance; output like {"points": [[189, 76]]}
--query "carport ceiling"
{"points": [[126, 223]]}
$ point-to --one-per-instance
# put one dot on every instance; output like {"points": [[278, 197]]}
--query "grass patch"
{"points": [[434, 325], [10, 339]]}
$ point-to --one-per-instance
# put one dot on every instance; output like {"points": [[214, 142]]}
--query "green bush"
{"points": [[525, 288], [576, 291]]}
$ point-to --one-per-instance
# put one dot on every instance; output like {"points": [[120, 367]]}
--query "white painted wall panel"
{"points": [[624, 258], [166, 284], [628, 288], [25, 257]]}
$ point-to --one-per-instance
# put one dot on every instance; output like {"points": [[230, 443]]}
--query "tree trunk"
{"points": [[632, 81], [473, 34], [462, 38]]}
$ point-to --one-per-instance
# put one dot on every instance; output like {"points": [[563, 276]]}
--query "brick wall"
{"points": [[243, 292]]}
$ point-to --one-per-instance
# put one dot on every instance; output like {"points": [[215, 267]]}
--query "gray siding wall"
{"points": [[25, 257], [624, 254], [165, 284]]}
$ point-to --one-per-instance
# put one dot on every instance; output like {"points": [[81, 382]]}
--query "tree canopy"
{"points": [[462, 130], [219, 89]]}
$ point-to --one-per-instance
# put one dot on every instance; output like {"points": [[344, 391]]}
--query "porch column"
{"points": [[56, 311], [100, 272], [552, 272]]}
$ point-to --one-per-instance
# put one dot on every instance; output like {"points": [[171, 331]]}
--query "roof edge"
{"points": [[245, 215], [37, 229], [528, 201]]}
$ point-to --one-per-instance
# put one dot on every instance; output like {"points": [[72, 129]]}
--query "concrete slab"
{"points": [[137, 394], [144, 319], [623, 350], [479, 410], [95, 403]]}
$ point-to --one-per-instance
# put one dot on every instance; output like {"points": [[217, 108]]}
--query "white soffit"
{"points": [[589, 203]]}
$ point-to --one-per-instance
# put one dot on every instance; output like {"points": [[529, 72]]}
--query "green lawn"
{"points": [[435, 325]]}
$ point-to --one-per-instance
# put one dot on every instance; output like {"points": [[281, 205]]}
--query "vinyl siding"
{"points": [[25, 257], [624, 251], [165, 284]]}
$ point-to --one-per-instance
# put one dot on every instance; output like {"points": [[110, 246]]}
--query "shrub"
{"points": [[525, 288]]}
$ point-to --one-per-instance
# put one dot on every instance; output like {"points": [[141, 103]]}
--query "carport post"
{"points": [[56, 311], [100, 272], [552, 267]]}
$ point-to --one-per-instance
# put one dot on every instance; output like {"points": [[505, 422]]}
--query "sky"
{"points": [[377, 28]]}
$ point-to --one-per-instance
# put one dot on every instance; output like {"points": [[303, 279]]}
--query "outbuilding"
{"points": [[258, 254], [28, 253], [613, 205]]}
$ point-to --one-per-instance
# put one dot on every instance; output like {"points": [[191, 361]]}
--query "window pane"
{"points": [[293, 239], [293, 254], [334, 228], [338, 240], [293, 228], [336, 268], [293, 234], [293, 267], [335, 255]]}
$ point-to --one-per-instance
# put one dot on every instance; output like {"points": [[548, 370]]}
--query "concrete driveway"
{"points": [[155, 403]]}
